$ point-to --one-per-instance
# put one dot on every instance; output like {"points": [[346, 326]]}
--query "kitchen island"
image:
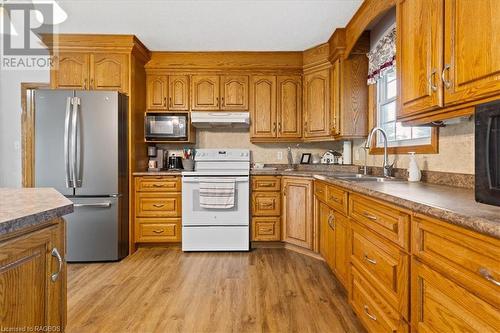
{"points": [[32, 267]]}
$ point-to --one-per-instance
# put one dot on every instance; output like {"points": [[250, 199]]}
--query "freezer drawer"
{"points": [[93, 230]]}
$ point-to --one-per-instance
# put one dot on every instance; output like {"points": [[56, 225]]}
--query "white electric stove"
{"points": [[217, 229]]}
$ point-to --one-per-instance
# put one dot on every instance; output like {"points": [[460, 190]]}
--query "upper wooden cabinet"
{"points": [[317, 104], [157, 91], [178, 92], [205, 92], [94, 71], [276, 107], [234, 92], [289, 107], [168, 92], [214, 92], [263, 106], [447, 56], [297, 213]]}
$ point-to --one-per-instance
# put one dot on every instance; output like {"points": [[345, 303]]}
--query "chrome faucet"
{"points": [[387, 167], [290, 159]]}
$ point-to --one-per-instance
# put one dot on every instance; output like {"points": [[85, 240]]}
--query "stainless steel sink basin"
{"points": [[363, 178]]}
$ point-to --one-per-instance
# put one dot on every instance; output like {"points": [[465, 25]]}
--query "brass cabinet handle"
{"points": [[331, 221], [485, 273], [170, 101], [274, 127], [222, 100], [367, 312], [369, 216], [334, 199], [447, 83], [267, 204], [431, 80], [158, 231], [216, 101], [279, 127], [158, 205], [85, 84], [158, 185], [164, 101], [55, 253], [91, 83], [266, 185], [371, 261]]}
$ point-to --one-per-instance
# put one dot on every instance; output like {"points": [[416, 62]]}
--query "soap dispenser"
{"points": [[414, 174]]}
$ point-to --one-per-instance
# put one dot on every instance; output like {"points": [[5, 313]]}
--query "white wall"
{"points": [[10, 122]]}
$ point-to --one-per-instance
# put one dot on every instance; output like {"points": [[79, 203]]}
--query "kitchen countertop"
{"points": [[158, 173], [27, 207], [451, 204]]}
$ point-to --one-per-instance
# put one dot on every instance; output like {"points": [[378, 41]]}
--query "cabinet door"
{"points": [[29, 297], [326, 234], [472, 49], [263, 106], [440, 305], [72, 71], [289, 107], [341, 226], [157, 92], [178, 92], [109, 72], [234, 92], [420, 47], [297, 211], [336, 88], [317, 104], [204, 92]]}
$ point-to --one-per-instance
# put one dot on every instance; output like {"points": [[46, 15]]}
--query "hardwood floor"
{"points": [[166, 290]]}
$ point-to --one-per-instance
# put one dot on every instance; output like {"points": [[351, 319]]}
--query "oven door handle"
{"points": [[200, 179]]}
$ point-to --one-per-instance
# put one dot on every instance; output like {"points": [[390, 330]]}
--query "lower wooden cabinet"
{"points": [[326, 233], [266, 228], [158, 207], [298, 211], [266, 208], [440, 305], [33, 280]]}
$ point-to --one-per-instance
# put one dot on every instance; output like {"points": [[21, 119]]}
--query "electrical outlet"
{"points": [[279, 156]]}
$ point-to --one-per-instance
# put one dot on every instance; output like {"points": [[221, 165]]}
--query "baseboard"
{"points": [[286, 246]]}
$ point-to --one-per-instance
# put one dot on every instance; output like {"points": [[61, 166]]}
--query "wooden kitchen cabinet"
{"points": [[276, 108], [73, 71], [234, 92], [205, 92], [178, 92], [446, 56], [266, 208], [93, 71], [156, 92], [326, 234], [298, 211], [317, 104], [33, 280]]}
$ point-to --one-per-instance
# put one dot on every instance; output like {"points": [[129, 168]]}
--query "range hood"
{"points": [[220, 119]]}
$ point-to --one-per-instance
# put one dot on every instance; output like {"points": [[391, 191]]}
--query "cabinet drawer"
{"points": [[158, 205], [158, 184], [374, 312], [439, 305], [320, 190], [153, 230], [266, 183], [266, 229], [384, 265], [384, 219], [266, 203], [336, 198], [468, 258]]}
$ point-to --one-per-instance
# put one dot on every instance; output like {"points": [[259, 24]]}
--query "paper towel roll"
{"points": [[347, 152]]}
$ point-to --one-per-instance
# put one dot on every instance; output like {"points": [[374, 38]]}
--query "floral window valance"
{"points": [[383, 56]]}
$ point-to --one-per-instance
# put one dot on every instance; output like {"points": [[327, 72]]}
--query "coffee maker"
{"points": [[156, 158]]}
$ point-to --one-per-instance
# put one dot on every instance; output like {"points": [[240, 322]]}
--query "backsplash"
{"points": [[456, 149]]}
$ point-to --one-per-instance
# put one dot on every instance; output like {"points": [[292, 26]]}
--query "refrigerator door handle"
{"points": [[74, 151], [96, 205], [69, 179]]}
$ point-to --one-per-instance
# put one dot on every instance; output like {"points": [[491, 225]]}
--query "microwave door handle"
{"points": [[69, 180], [488, 138]]}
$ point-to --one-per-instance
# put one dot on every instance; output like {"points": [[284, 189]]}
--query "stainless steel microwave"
{"points": [[487, 147], [166, 127]]}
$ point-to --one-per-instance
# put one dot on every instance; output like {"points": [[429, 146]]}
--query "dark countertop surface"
{"points": [[158, 173], [27, 207], [450, 204]]}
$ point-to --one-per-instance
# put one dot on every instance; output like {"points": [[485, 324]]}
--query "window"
{"points": [[397, 134]]}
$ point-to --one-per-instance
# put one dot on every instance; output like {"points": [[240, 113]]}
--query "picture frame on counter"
{"points": [[306, 158]]}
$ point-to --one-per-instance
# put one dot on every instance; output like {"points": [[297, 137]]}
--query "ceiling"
{"points": [[212, 25]]}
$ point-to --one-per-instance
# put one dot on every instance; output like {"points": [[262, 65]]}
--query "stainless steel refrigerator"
{"points": [[81, 150]]}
